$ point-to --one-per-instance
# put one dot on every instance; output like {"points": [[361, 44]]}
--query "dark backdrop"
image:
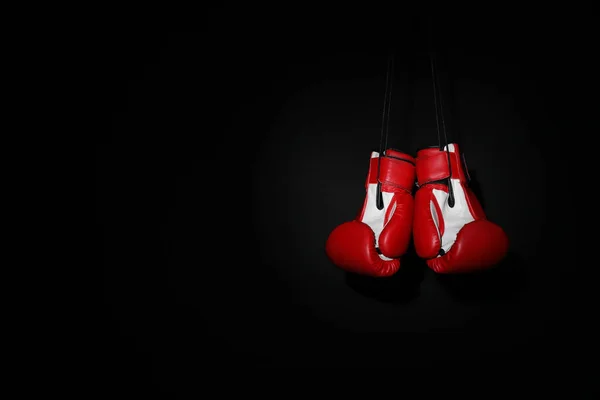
{"points": [[232, 149]]}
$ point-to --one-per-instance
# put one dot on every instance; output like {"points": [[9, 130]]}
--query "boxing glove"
{"points": [[450, 229], [373, 242]]}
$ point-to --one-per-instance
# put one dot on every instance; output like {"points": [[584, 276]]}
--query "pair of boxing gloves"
{"points": [[426, 199]]}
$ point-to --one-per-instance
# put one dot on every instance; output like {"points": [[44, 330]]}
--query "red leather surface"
{"points": [[351, 247], [432, 165], [396, 235], [394, 174], [479, 245]]}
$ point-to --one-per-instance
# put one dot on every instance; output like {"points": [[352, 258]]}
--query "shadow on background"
{"points": [[399, 288], [497, 285]]}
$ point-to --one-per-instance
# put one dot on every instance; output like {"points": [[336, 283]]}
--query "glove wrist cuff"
{"points": [[395, 170], [434, 165]]}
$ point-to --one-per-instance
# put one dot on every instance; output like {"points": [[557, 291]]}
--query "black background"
{"points": [[235, 145]]}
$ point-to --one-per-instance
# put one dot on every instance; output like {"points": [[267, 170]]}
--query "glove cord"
{"points": [[387, 100], [439, 114]]}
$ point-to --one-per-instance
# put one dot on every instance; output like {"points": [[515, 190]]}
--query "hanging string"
{"points": [[387, 100], [437, 98], [441, 102], [439, 114]]}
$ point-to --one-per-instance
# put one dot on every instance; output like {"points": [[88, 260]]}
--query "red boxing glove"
{"points": [[451, 231], [373, 243]]}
